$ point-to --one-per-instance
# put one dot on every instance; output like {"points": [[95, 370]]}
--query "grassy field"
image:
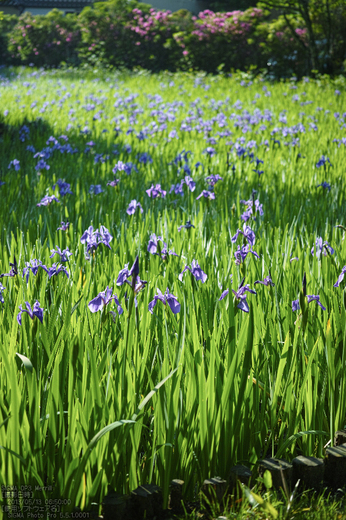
{"points": [[109, 393]]}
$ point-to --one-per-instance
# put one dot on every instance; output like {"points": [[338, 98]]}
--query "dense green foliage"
{"points": [[118, 34], [223, 385]]}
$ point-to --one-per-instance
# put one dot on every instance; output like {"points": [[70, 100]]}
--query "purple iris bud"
{"points": [[212, 179], [137, 284], [64, 187], [321, 247], [55, 269], [2, 183], [242, 253], [240, 295], [195, 270], [294, 258], [323, 161], [64, 226], [167, 297], [133, 206], [95, 189], [315, 298], [295, 305], [341, 277], [2, 288], [64, 255], [32, 266], [247, 233], [35, 311], [267, 281], [223, 295], [188, 225], [13, 271], [48, 200], [103, 299], [207, 194], [324, 185], [15, 163], [156, 191], [113, 183]]}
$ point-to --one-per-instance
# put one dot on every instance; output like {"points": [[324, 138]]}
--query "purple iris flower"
{"points": [[321, 247], [315, 298], [41, 165], [207, 194], [55, 269], [247, 233], [64, 187], [2, 288], [323, 161], [295, 305], [156, 191], [63, 226], [212, 179], [242, 253], [177, 188], [294, 258], [64, 255], [95, 189], [195, 270], [325, 186], [251, 205], [153, 246], [167, 297], [311, 298], [137, 284], [94, 238], [341, 277], [210, 151], [13, 271], [267, 281], [144, 158], [119, 167], [103, 299], [32, 266], [47, 200], [113, 183], [35, 311], [133, 206], [240, 295], [2, 183], [190, 183], [188, 225], [15, 163]]}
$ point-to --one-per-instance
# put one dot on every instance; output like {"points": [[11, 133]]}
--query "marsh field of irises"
{"points": [[172, 258]]}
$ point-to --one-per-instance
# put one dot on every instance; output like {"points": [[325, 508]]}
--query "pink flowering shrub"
{"points": [[45, 40], [227, 39], [128, 34]]}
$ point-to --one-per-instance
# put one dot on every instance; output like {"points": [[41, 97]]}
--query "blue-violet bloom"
{"points": [[167, 297], [133, 206], [340, 277], [103, 299], [64, 255], [35, 311], [195, 270]]}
